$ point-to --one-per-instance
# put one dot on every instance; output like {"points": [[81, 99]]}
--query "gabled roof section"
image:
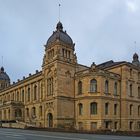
{"points": [[110, 63]]}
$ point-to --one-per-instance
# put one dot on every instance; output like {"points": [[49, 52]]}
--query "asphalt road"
{"points": [[17, 134]]}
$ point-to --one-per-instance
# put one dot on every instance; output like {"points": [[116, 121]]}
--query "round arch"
{"points": [[49, 120]]}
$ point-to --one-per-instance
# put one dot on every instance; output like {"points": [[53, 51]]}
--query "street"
{"points": [[17, 134]]}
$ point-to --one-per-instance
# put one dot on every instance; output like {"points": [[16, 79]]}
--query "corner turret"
{"points": [[4, 79]]}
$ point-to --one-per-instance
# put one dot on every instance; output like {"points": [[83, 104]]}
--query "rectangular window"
{"points": [[130, 109], [115, 109], [93, 108], [106, 108]]}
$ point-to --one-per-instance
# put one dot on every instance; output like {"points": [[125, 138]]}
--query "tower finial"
{"points": [[59, 11], [2, 60], [135, 46]]}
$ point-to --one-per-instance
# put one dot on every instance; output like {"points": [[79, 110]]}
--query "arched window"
{"points": [[79, 87], [115, 88], [40, 111], [106, 86], [130, 89], [80, 106], [35, 92], [93, 108], [93, 85], [131, 109]]}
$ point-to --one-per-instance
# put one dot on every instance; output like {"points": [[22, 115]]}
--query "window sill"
{"points": [[131, 96], [79, 94], [92, 92], [116, 95], [107, 93]]}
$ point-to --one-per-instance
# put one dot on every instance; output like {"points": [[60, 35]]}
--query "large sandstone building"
{"points": [[67, 94]]}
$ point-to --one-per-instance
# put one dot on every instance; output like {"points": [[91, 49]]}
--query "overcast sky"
{"points": [[101, 29]]}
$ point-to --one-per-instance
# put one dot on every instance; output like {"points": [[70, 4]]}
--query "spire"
{"points": [[59, 26], [2, 68], [59, 11]]}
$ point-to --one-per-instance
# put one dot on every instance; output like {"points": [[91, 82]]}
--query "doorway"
{"points": [[50, 120]]}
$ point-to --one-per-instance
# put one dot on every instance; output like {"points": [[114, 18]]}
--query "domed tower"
{"points": [[4, 79], [59, 65], [136, 60], [59, 46]]}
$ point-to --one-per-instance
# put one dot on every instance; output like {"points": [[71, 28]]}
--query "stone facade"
{"points": [[65, 94]]}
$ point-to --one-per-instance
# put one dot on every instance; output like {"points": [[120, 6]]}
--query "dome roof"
{"points": [[3, 75], [60, 35]]}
